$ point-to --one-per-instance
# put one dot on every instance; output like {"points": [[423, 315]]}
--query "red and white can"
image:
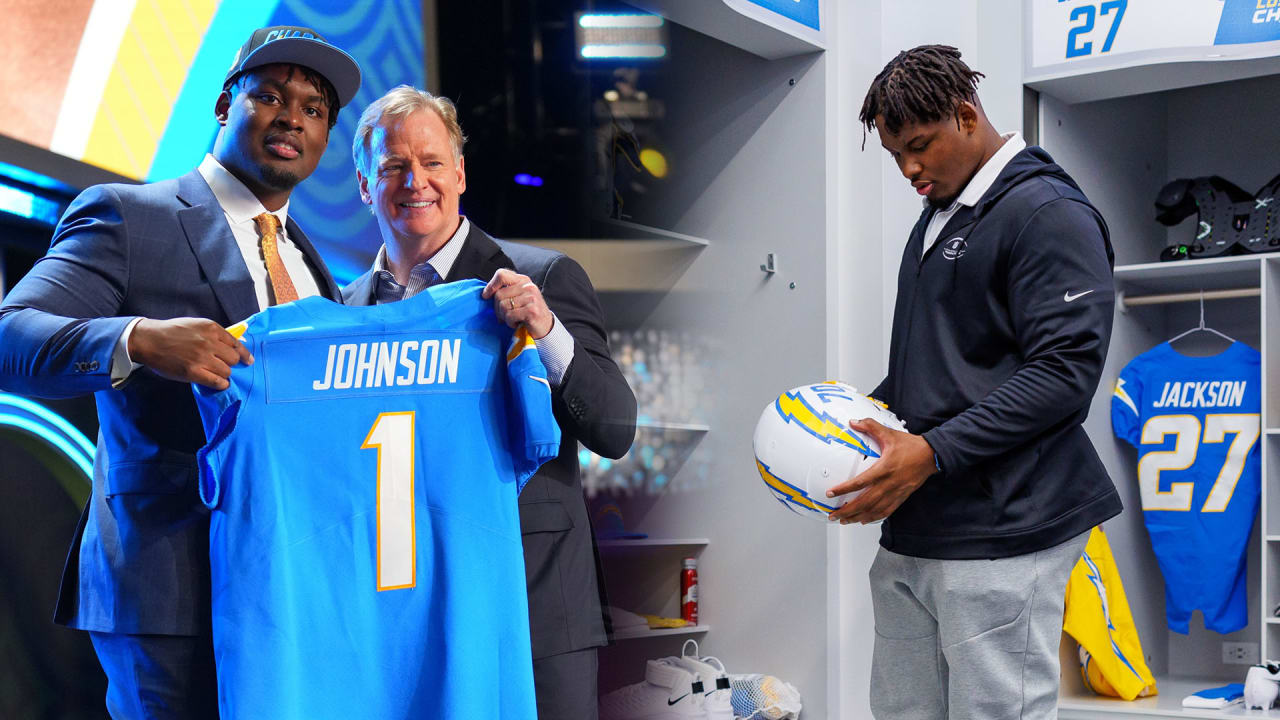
{"points": [[689, 591]]}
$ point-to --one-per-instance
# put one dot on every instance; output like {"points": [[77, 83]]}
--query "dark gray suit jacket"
{"points": [[593, 405], [139, 562]]}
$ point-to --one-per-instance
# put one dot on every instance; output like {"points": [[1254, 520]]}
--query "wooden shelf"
{"points": [[644, 632]]}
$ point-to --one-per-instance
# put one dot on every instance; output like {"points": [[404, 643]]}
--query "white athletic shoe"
{"points": [[1260, 686], [716, 693], [669, 692]]}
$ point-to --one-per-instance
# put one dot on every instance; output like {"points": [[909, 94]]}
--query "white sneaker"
{"points": [[669, 692], [717, 694]]}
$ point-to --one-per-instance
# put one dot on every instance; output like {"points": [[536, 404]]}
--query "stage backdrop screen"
{"points": [[130, 86]]}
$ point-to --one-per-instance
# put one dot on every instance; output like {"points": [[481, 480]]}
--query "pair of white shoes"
{"points": [[687, 687]]}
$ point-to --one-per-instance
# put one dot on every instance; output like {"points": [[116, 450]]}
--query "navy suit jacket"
{"points": [[594, 405], [139, 562]]}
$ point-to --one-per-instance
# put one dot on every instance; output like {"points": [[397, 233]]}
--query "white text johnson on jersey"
{"points": [[1219, 393], [375, 364]]}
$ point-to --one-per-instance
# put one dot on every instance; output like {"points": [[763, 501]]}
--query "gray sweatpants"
{"points": [[969, 639]]}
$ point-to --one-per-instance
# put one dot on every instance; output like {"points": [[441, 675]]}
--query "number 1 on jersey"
{"points": [[392, 436]]}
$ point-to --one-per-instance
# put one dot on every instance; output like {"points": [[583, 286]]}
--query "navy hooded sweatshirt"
{"points": [[999, 336]]}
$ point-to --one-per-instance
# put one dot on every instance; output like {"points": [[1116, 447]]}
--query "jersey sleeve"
{"points": [[1126, 399], [535, 435], [219, 410]]}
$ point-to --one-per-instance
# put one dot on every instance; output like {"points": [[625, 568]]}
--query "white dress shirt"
{"points": [[555, 349], [239, 207], [442, 262], [978, 186]]}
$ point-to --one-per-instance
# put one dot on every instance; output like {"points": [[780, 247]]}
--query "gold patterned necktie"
{"points": [[282, 290]]}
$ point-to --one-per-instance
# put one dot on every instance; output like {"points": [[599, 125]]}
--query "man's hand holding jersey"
{"points": [[187, 350], [906, 461], [516, 300]]}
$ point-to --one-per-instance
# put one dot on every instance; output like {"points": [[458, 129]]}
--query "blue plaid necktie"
{"points": [[387, 290]]}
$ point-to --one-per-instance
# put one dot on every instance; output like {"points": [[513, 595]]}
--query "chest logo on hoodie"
{"points": [[954, 248]]}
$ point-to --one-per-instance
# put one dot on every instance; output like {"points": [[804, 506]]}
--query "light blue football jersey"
{"points": [[1195, 422], [365, 544]]}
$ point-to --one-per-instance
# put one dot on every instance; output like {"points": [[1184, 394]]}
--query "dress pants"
{"points": [[565, 685], [158, 677]]}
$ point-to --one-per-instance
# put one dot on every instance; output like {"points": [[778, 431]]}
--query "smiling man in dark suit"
{"points": [[130, 302], [408, 156]]}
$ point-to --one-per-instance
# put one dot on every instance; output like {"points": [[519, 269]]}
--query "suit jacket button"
{"points": [[93, 365]]}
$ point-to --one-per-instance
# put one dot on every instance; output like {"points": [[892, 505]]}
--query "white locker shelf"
{"points": [[651, 543], [644, 632], [1168, 704], [1190, 275]]}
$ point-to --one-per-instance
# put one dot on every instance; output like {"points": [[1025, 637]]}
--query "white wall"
{"points": [[858, 329], [870, 211]]}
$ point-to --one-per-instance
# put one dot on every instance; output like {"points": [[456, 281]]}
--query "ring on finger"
{"points": [[511, 303]]}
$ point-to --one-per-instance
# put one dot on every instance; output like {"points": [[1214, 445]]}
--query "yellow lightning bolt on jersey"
{"points": [[520, 342]]}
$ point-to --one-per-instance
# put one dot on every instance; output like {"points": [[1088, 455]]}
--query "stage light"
{"points": [[618, 52], [529, 180], [622, 20], [31, 177], [19, 202], [620, 36], [16, 202], [50, 427], [654, 161]]}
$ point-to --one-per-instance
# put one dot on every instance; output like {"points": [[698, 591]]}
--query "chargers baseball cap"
{"points": [[299, 46]]}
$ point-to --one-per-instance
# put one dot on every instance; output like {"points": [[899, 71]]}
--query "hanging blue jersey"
{"points": [[364, 539], [1195, 422]]}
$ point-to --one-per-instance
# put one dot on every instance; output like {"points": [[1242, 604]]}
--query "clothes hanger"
{"points": [[1201, 326]]}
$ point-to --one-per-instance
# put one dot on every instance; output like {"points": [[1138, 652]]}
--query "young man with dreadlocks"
{"points": [[1000, 331]]}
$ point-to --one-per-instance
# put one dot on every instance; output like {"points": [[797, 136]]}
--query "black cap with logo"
{"points": [[299, 46]]}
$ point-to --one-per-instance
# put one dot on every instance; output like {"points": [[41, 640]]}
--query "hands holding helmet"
{"points": [[906, 461]]}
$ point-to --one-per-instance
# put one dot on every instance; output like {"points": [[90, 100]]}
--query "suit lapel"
{"points": [[328, 287], [480, 258], [360, 290], [215, 248]]}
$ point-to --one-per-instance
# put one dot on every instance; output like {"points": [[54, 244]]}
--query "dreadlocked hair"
{"points": [[921, 85]]}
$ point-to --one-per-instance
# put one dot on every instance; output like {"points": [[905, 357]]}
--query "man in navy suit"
{"points": [[130, 303], [408, 156]]}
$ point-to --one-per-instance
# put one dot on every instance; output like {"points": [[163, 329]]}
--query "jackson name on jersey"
{"points": [[1214, 393]]}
